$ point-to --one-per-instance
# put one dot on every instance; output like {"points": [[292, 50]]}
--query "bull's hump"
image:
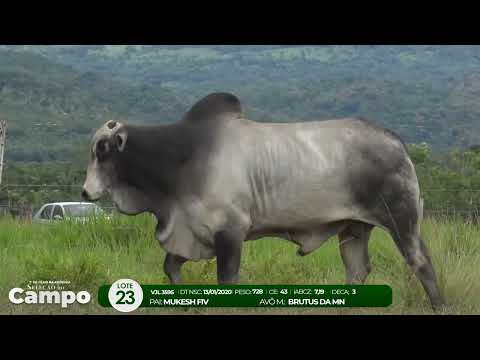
{"points": [[214, 106]]}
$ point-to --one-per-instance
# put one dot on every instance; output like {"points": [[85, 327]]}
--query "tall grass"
{"points": [[101, 252]]}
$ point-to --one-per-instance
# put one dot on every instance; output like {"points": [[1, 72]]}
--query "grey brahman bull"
{"points": [[215, 179]]}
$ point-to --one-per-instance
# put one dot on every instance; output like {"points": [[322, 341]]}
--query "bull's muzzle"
{"points": [[85, 195]]}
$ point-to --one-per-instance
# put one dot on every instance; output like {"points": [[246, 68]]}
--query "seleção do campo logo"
{"points": [[48, 292]]}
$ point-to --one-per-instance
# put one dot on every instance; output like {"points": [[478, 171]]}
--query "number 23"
{"points": [[130, 300]]}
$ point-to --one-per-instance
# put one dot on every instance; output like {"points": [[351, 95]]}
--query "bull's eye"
{"points": [[102, 149]]}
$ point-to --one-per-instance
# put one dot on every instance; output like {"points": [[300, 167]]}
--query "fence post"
{"points": [[3, 136]]}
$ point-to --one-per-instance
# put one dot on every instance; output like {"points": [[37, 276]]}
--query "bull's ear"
{"points": [[121, 139]]}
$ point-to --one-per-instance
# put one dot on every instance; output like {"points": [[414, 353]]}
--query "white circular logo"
{"points": [[125, 295]]}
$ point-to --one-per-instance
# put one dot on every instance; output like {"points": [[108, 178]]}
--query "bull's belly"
{"points": [[293, 220], [304, 205], [308, 238], [308, 228], [307, 219]]}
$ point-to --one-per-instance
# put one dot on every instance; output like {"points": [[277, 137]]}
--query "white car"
{"points": [[78, 211]]}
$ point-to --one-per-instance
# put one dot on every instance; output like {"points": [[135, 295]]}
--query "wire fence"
{"points": [[24, 200], [451, 203]]}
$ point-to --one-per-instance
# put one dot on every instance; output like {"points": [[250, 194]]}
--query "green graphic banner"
{"points": [[249, 296]]}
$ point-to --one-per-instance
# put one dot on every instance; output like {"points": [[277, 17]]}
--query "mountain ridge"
{"points": [[43, 101], [424, 93]]}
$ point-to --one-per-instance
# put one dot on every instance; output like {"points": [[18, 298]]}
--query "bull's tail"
{"points": [[420, 209], [419, 214]]}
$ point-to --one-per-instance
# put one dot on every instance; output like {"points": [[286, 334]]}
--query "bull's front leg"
{"points": [[172, 267], [228, 249]]}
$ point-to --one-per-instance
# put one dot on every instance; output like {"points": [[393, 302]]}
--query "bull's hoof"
{"points": [[440, 308], [300, 252]]}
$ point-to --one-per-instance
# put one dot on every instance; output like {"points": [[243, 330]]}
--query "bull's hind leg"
{"points": [[403, 217], [354, 251], [418, 258]]}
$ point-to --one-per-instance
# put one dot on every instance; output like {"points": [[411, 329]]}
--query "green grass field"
{"points": [[90, 255]]}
